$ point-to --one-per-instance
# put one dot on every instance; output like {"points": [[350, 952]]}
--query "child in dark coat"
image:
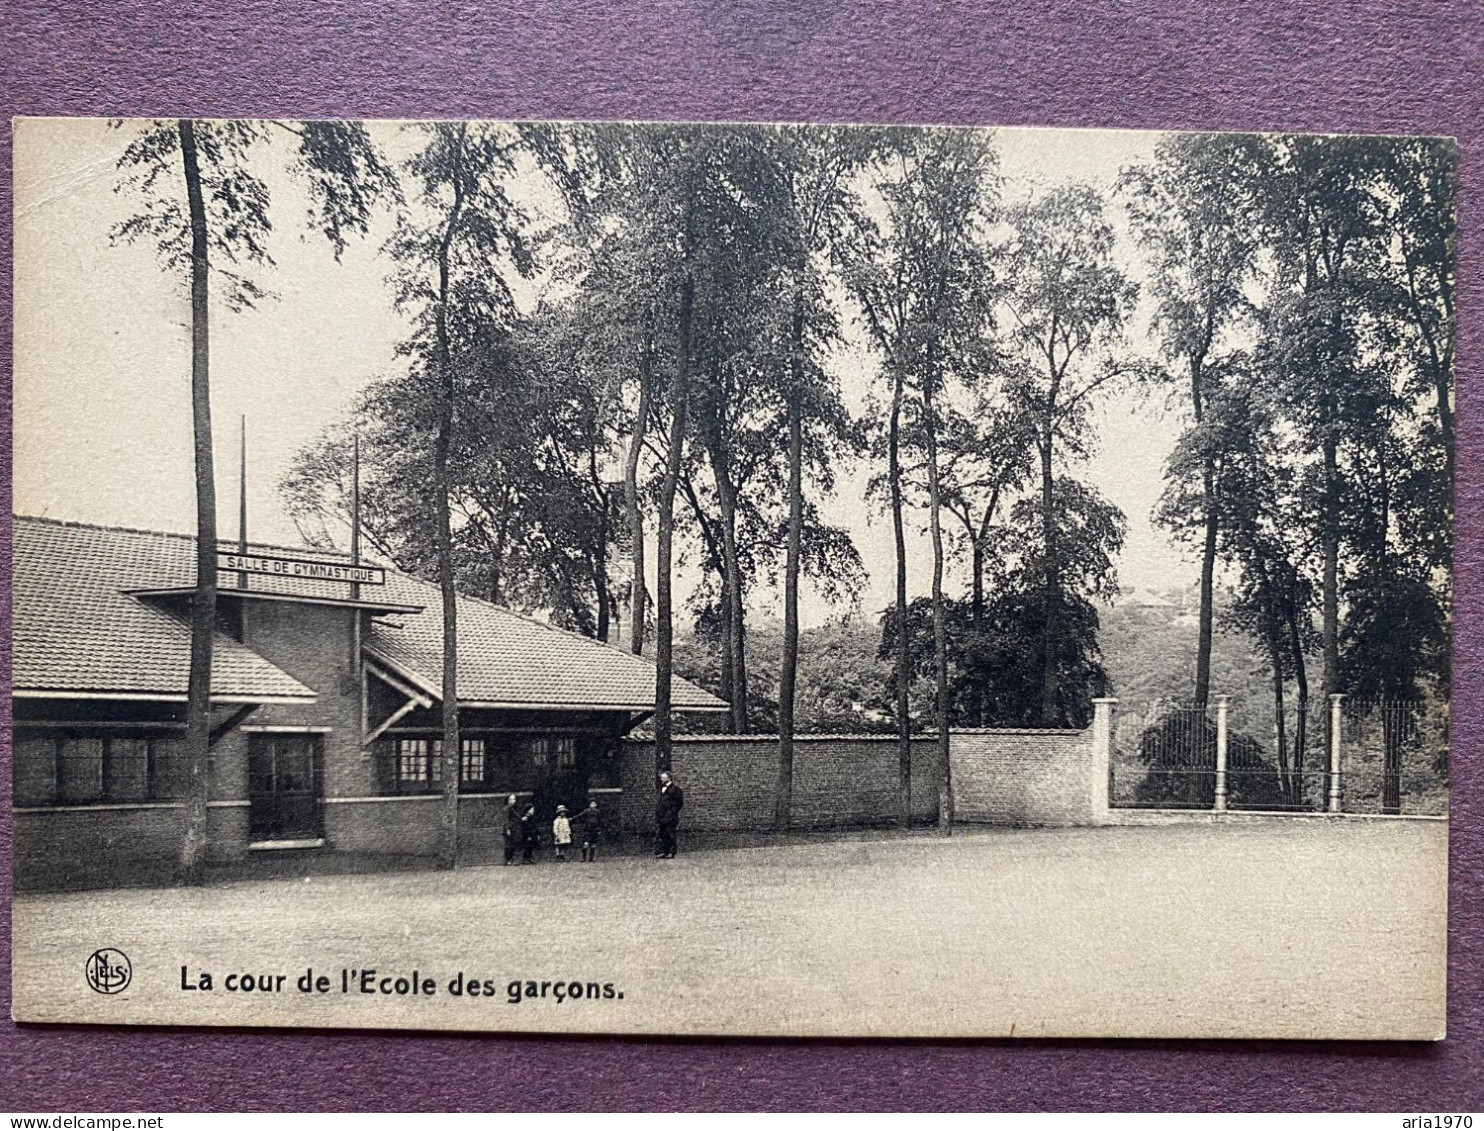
{"points": [[530, 835], [587, 826]]}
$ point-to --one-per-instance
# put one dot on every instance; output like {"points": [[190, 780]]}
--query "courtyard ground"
{"points": [[1276, 927]]}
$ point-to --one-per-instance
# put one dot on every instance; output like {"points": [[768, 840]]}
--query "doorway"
{"points": [[285, 783]]}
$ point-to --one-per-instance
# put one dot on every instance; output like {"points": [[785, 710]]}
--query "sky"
{"points": [[102, 359]]}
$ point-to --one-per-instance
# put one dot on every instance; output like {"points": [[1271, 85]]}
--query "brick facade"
{"points": [[106, 842]]}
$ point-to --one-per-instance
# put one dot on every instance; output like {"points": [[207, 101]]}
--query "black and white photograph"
{"points": [[732, 579]]}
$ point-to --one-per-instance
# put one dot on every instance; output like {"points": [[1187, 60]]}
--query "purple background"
{"points": [[1403, 67]]}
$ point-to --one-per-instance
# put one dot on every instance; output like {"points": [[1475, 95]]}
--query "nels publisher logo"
{"points": [[108, 971]]}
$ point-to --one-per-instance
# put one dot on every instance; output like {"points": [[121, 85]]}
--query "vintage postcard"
{"points": [[731, 579]]}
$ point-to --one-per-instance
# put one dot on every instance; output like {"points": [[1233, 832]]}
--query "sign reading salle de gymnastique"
{"points": [[303, 569]]}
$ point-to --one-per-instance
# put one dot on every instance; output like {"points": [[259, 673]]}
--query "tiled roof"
{"points": [[76, 629], [74, 622], [509, 659]]}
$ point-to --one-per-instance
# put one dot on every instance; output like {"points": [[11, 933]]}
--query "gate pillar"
{"points": [[1222, 702]]}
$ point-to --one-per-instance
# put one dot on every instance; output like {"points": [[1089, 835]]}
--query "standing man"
{"points": [[512, 829], [667, 815]]}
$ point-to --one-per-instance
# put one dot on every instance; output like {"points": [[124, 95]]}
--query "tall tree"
{"points": [[619, 270], [818, 166], [1415, 196], [712, 196], [1317, 224], [217, 222], [923, 280], [1194, 213], [1067, 304], [1263, 500], [203, 604], [676, 164], [451, 252]]}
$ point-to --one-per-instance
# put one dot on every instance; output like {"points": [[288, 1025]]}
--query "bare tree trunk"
{"points": [[724, 627], [664, 628], [732, 610], [1270, 622], [1300, 745], [1205, 633], [1280, 721], [448, 843], [203, 606], [1393, 732], [1329, 632], [637, 596], [979, 537], [603, 500], [1301, 682], [1050, 681], [940, 630], [904, 656], [977, 617], [788, 671], [1393, 684], [600, 574]]}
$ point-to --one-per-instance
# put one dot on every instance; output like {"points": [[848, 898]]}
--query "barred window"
{"points": [[560, 752], [90, 769], [419, 763], [471, 761], [126, 769], [412, 760], [79, 769]]}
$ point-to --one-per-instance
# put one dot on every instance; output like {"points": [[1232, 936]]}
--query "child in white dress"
{"points": [[561, 832]]}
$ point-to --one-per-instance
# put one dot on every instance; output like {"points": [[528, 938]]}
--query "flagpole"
{"points": [[242, 581], [355, 559]]}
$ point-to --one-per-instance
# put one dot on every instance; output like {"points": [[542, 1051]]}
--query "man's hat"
{"points": [[561, 808]]}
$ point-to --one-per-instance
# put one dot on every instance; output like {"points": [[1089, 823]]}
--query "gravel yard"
{"points": [[1258, 927]]}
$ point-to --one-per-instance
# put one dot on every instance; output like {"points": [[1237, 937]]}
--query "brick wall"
{"points": [[87, 847], [1023, 777], [730, 780], [1003, 777]]}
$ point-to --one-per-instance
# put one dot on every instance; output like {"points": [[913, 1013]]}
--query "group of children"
{"points": [[523, 831]]}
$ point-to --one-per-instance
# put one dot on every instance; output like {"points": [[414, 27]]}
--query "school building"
{"points": [[325, 694]]}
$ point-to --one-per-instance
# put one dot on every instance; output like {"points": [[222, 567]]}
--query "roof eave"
{"points": [[232, 698], [551, 705], [291, 598]]}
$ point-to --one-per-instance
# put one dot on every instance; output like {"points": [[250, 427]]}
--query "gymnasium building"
{"points": [[326, 713]]}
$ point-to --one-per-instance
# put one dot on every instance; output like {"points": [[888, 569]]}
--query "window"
{"points": [[558, 752], [91, 769], [418, 764], [79, 769], [471, 761], [126, 768]]}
